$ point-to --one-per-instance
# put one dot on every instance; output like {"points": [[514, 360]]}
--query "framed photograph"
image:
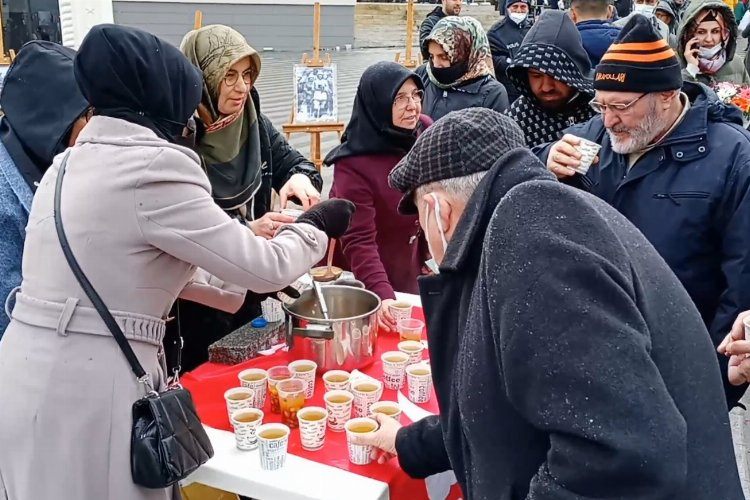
{"points": [[315, 94]]}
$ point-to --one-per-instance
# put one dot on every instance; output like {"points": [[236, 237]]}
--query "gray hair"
{"points": [[459, 188]]}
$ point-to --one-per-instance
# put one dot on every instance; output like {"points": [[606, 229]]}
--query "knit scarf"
{"points": [[541, 126]]}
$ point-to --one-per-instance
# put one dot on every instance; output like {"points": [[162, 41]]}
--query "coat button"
{"points": [[702, 149], [679, 154]]}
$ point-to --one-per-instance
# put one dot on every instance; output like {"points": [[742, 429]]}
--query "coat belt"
{"points": [[71, 317]]}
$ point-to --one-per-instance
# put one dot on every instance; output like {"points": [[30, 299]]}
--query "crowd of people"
{"points": [[585, 322]]}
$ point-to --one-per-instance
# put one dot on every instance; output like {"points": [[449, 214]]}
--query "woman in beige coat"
{"points": [[139, 216]]}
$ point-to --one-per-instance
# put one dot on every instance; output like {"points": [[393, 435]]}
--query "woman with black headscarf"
{"points": [[39, 121], [139, 217], [380, 248]]}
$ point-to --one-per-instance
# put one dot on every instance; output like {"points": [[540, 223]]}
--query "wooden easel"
{"points": [[408, 61], [198, 22], [314, 129]]}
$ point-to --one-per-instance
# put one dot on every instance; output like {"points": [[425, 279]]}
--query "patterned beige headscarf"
{"points": [[214, 49], [464, 40]]}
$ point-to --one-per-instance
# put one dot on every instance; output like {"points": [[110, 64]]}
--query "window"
{"points": [[26, 20]]}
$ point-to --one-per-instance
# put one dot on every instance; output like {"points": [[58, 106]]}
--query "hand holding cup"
{"points": [[565, 157]]}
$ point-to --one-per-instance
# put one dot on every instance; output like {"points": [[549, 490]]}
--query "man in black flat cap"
{"points": [[567, 359]]}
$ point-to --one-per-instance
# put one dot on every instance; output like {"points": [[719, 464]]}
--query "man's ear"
{"points": [[665, 98], [572, 14]]}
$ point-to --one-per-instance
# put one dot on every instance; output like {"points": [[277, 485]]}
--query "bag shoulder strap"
{"points": [[110, 321]]}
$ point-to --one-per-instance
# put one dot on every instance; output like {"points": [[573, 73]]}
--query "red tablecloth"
{"points": [[208, 382]]}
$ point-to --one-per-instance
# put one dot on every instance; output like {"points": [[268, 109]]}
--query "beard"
{"points": [[626, 140]]}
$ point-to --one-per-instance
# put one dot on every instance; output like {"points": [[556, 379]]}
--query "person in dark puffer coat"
{"points": [[505, 38]]}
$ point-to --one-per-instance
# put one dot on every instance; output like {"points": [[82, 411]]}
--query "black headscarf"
{"points": [[41, 100], [370, 129], [133, 75]]}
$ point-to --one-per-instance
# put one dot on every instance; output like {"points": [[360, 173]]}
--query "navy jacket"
{"points": [[690, 196], [568, 361], [597, 36], [505, 38]]}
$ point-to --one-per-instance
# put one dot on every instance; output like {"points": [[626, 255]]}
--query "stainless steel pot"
{"points": [[345, 341]]}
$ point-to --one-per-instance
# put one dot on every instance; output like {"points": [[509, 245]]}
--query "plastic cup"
{"points": [[238, 398], [400, 310], [292, 212], [305, 370], [336, 380], [419, 380], [359, 454], [366, 392], [312, 427], [275, 375], [413, 349], [410, 329], [588, 150], [339, 406], [273, 442], [389, 408], [246, 423], [255, 379], [291, 399], [394, 366]]}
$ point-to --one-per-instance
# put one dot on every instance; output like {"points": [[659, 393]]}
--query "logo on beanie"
{"points": [[615, 77]]}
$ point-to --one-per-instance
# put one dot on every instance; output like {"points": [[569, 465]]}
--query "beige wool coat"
{"points": [[140, 220]]}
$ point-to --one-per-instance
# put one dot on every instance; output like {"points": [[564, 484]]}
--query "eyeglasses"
{"points": [[231, 78], [402, 100], [616, 107]]}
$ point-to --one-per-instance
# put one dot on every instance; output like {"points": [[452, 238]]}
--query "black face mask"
{"points": [[449, 75]]}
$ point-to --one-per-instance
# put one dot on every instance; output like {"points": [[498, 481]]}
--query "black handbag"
{"points": [[168, 441]]}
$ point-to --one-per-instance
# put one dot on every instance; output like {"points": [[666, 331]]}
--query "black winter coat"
{"points": [[426, 28], [505, 38], [484, 92], [568, 361], [201, 325]]}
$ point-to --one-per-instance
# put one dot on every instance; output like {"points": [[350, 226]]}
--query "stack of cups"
{"points": [[419, 380], [389, 408], [359, 454], [400, 310], [312, 427], [366, 392], [256, 380], [238, 398], [413, 349], [273, 441], [394, 366], [272, 310], [339, 406], [305, 370], [246, 423], [336, 380]]}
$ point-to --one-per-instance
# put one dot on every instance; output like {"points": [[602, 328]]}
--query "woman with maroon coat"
{"points": [[381, 247]]}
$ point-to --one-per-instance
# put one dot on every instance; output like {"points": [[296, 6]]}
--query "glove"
{"points": [[331, 216]]}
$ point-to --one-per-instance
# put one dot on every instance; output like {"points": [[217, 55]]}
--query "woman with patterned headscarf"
{"points": [[707, 39], [459, 72], [245, 159]]}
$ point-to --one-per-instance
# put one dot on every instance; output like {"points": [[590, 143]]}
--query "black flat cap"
{"points": [[461, 143]]}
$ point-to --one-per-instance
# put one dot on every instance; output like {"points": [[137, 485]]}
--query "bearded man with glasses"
{"points": [[676, 162]]}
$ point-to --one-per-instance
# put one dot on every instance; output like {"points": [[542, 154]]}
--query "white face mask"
{"points": [[709, 52], [518, 18], [643, 9], [432, 264]]}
